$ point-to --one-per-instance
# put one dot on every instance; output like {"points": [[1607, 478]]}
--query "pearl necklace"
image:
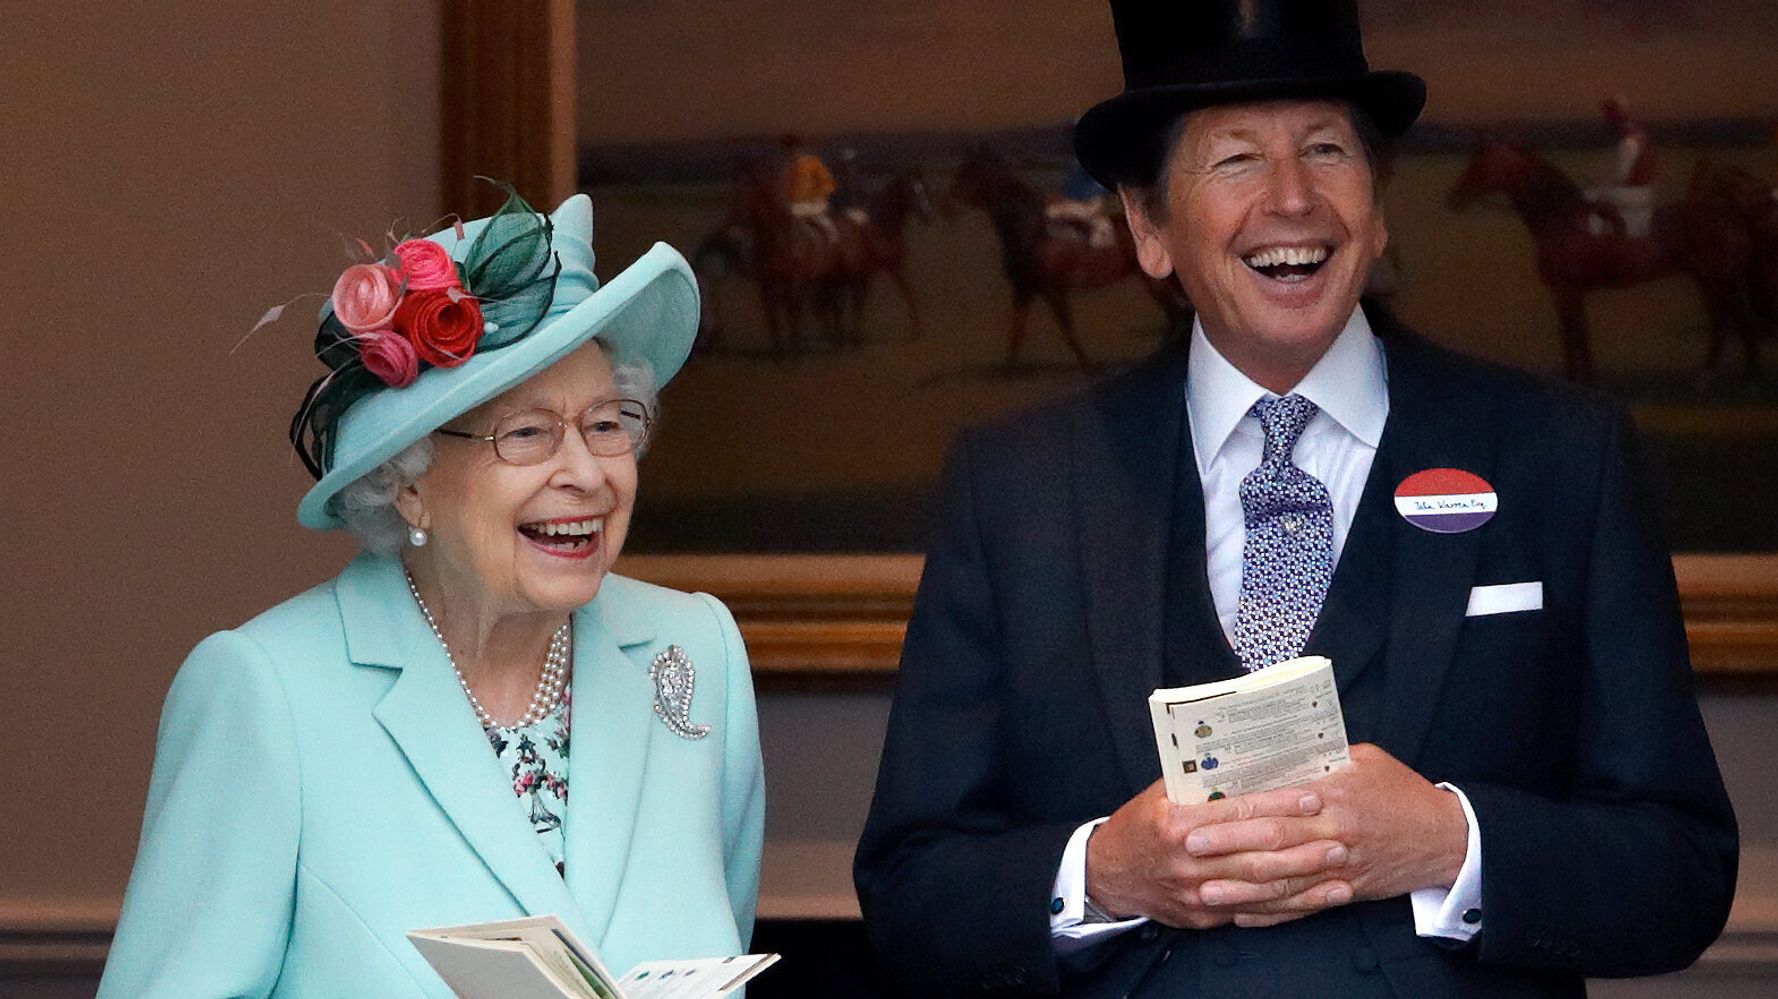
{"points": [[544, 698]]}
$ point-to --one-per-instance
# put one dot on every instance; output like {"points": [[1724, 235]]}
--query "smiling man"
{"points": [[1278, 226], [1532, 798]]}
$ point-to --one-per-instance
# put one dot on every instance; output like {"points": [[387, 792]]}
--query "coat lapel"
{"points": [[426, 714], [1434, 422], [1125, 449], [1194, 649], [613, 720], [1352, 623]]}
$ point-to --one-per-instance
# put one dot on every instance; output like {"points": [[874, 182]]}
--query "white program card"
{"points": [[697, 978]]}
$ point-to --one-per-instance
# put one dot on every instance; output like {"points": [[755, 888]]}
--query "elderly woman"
{"points": [[391, 750]]}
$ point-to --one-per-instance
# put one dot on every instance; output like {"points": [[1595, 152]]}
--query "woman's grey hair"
{"points": [[367, 505]]}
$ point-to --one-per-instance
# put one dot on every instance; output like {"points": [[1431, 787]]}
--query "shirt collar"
{"points": [[1350, 384]]}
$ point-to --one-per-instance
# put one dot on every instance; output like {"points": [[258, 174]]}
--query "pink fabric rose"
{"points": [[365, 297], [426, 265], [389, 356]]}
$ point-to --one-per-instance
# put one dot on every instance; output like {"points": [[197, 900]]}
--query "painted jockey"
{"points": [[808, 185], [1081, 207], [1630, 195]]}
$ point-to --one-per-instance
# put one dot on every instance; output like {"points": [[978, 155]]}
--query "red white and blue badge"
{"points": [[1446, 500]]}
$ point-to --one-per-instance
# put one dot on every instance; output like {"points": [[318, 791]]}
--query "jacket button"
{"points": [[1006, 977], [1149, 933], [1364, 960]]}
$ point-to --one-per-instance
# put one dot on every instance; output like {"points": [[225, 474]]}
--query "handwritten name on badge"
{"points": [[1441, 504], [1446, 500]]}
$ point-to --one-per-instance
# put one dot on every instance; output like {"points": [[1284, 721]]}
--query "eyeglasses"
{"points": [[611, 429]]}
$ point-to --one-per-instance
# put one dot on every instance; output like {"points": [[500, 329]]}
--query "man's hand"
{"points": [[1401, 833], [1138, 863]]}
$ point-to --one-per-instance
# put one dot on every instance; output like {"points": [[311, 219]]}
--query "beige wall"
{"points": [[168, 172]]}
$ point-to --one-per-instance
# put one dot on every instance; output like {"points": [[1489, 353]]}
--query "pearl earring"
{"points": [[417, 537]]}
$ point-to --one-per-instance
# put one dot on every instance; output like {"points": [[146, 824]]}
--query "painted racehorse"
{"points": [[794, 264], [881, 237], [1699, 237], [1049, 260], [1756, 202], [727, 252]]}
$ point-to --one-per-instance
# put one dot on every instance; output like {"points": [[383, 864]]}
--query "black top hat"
{"points": [[1181, 55]]}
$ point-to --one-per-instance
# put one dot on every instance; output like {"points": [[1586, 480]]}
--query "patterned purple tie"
{"points": [[1288, 558]]}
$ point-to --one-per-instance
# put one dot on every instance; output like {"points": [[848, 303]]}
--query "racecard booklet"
{"points": [[538, 958]]}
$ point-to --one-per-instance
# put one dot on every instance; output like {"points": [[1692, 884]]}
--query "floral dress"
{"points": [[536, 755]]}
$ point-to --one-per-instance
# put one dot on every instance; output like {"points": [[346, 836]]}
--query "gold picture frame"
{"points": [[837, 621]]}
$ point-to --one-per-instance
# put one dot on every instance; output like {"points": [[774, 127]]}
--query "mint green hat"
{"points": [[534, 300]]}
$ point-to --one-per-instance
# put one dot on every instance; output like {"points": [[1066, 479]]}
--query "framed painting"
{"points": [[891, 164]]}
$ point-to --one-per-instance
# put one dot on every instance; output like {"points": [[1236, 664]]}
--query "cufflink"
{"points": [[1472, 916], [1056, 906]]}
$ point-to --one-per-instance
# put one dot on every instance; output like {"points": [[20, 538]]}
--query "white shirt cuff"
{"points": [[1068, 900], [1455, 914]]}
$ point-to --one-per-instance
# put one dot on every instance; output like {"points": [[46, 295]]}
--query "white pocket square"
{"points": [[1505, 598]]}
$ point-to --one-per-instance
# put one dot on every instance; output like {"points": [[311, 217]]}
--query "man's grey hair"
{"points": [[367, 505]]}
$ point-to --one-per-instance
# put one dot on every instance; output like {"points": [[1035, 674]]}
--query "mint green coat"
{"points": [[321, 787]]}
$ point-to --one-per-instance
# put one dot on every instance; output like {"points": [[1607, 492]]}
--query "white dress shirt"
{"points": [[1350, 386]]}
